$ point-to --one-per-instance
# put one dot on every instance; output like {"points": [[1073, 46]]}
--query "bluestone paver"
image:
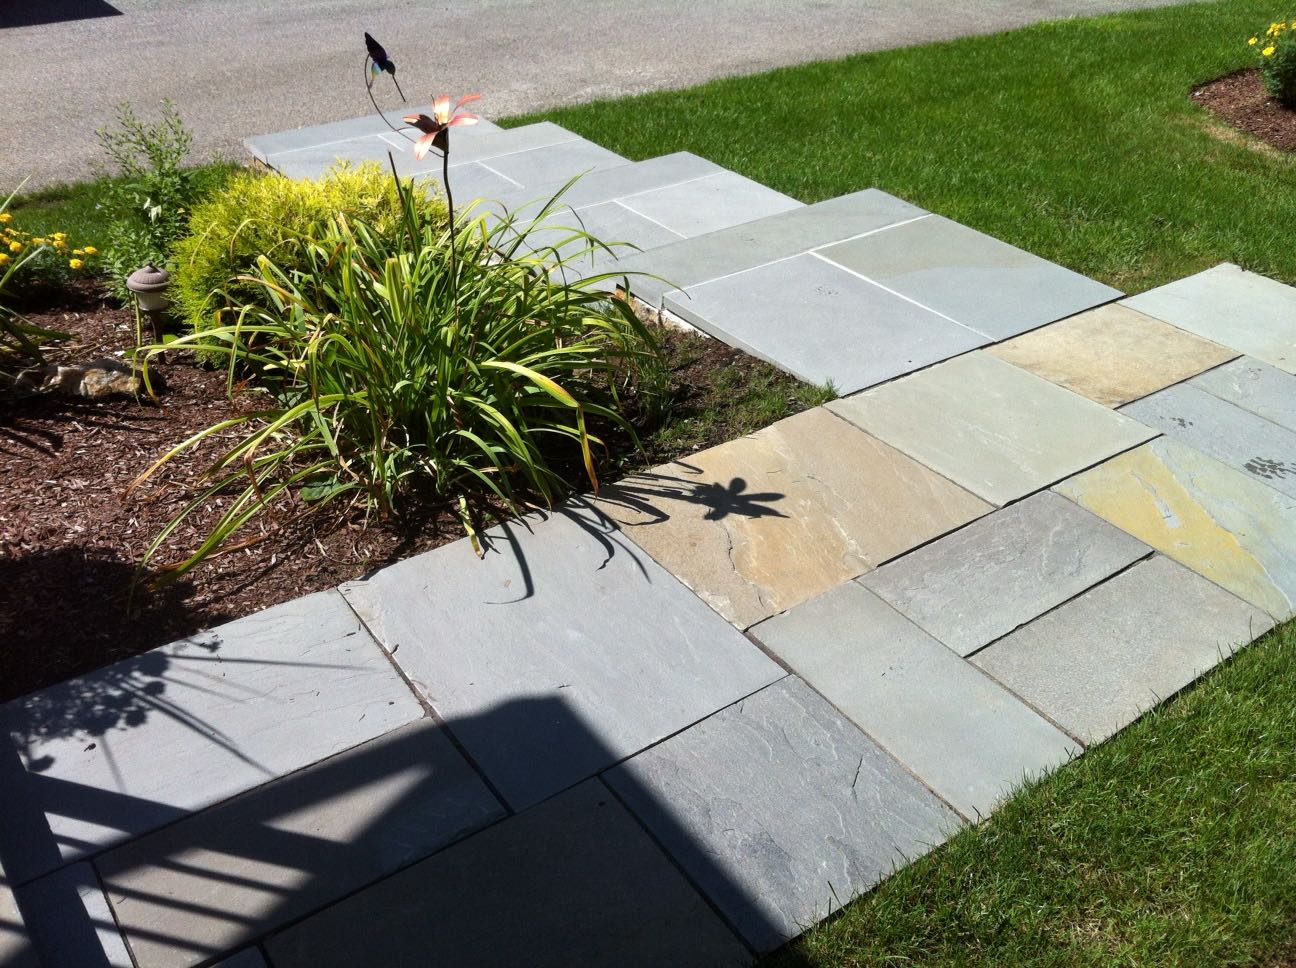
{"points": [[537, 166], [821, 323], [1236, 437], [959, 731], [611, 223], [781, 810], [1112, 354], [565, 650], [992, 427], [708, 257], [150, 739], [981, 582], [710, 204], [1255, 386], [69, 921], [314, 161], [16, 949], [1242, 310], [1100, 661], [984, 284], [572, 881], [1219, 522], [762, 523], [219, 880], [265, 145], [610, 184]]}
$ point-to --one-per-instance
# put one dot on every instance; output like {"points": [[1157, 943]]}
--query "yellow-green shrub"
{"points": [[259, 214]]}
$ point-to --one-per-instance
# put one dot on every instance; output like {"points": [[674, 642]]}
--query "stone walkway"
{"points": [[682, 721]]}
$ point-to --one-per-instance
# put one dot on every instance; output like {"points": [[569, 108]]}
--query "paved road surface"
{"points": [[243, 67]]}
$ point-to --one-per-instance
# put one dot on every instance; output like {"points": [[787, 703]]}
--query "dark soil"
{"points": [[1240, 100], [70, 537]]}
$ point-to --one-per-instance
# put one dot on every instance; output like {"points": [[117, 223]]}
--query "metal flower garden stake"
{"points": [[436, 134]]}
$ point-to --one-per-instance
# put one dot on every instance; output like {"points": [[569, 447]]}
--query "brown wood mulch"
{"points": [[70, 538], [1240, 100]]}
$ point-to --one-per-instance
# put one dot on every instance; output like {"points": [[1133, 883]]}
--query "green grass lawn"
{"points": [[1076, 140]]}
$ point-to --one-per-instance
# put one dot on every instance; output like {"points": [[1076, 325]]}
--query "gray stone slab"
{"points": [[573, 881], [687, 264], [1233, 436], [611, 223], [470, 144], [207, 885], [1248, 312], [710, 204], [781, 810], [1256, 386], [564, 651], [315, 162], [990, 427], [70, 922], [536, 166], [987, 285], [609, 184], [16, 949], [821, 323], [1097, 663], [148, 740], [981, 582], [262, 146], [958, 730], [468, 182]]}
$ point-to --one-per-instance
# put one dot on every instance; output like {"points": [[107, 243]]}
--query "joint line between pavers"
{"points": [[112, 909], [881, 228], [323, 144], [675, 184], [494, 172], [618, 202], [522, 151], [403, 144], [729, 275], [900, 295]]}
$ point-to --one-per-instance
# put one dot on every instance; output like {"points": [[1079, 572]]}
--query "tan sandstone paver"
{"points": [[1112, 354], [763, 523]]}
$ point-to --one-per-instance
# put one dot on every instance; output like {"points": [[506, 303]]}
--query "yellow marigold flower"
{"points": [[75, 263], [78, 251], [1253, 41], [4, 257], [59, 236], [15, 246], [91, 250], [5, 217], [1268, 51], [38, 241]]}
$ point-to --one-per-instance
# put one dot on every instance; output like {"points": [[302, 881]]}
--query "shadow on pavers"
{"points": [[33, 13], [574, 880]]}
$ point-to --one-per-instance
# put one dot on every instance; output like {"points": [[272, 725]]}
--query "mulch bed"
{"points": [[1240, 100], [70, 538]]}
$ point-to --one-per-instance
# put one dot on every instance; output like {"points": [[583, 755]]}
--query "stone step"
{"points": [[263, 146]]}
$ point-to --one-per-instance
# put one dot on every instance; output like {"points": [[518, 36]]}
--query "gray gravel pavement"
{"points": [[243, 67]]}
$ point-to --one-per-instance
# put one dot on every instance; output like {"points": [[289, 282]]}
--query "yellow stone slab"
{"points": [[763, 523], [1112, 354], [1213, 519]]}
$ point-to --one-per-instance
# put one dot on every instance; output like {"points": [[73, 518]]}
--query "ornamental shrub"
{"points": [[1277, 50], [268, 215]]}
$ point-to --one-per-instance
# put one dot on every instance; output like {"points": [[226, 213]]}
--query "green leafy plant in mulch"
{"points": [[1276, 47]]}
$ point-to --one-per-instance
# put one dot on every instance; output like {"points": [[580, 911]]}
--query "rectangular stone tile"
{"points": [[1112, 354], [981, 582], [958, 731], [611, 223], [572, 881], [987, 285], [1252, 385], [1219, 522], [223, 878], [471, 144], [1236, 437], [1100, 661], [991, 427], [563, 651], [468, 182], [70, 922], [610, 184], [265, 145], [148, 740], [1235, 308], [687, 264], [16, 949], [781, 810], [710, 204], [536, 166], [765, 522], [821, 323], [315, 162]]}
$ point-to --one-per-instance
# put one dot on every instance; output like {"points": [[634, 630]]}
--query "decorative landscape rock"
{"points": [[572, 881], [781, 810], [1221, 523], [991, 427], [151, 739], [103, 377], [1252, 385], [1112, 354], [564, 651], [1236, 437], [225, 877], [986, 285], [1233, 307], [958, 731], [1097, 663], [970, 587], [821, 323], [70, 923], [760, 524]]}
